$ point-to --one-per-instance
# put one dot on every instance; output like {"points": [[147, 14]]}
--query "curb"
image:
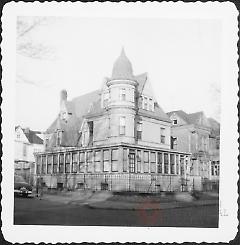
{"points": [[139, 206]]}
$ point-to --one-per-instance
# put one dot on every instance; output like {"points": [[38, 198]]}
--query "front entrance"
{"points": [[131, 162]]}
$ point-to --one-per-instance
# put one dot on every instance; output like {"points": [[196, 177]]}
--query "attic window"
{"points": [[147, 103], [175, 122]]}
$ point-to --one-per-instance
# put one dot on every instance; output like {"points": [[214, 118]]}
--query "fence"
{"points": [[123, 182]]}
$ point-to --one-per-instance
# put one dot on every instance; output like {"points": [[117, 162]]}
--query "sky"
{"points": [[182, 58]]}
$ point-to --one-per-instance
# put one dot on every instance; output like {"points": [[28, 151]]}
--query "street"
{"points": [[32, 211]]}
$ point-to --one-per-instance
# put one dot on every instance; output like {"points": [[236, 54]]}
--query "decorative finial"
{"points": [[123, 52]]}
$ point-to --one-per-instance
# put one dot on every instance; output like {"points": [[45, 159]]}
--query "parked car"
{"points": [[21, 187]]}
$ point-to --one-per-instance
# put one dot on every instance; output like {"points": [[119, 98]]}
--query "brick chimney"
{"points": [[26, 130], [63, 95]]}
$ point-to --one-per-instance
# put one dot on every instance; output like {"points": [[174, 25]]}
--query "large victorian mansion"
{"points": [[116, 138]]}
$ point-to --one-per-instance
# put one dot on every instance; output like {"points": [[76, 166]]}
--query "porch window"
{"points": [[38, 164], [159, 163], [139, 159], [146, 161], [74, 162], [97, 161], [153, 162], [43, 164], [81, 162], [67, 163], [114, 161], [90, 164], [55, 163], [165, 163], [182, 165], [106, 165], [172, 164], [177, 164], [49, 164], [125, 160], [61, 163]]}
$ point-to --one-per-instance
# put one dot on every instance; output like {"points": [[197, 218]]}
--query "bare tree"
{"points": [[28, 46], [25, 44]]}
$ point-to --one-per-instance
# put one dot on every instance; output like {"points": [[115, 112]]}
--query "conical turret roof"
{"points": [[122, 68]]}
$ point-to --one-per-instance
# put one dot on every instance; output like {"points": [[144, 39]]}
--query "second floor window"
{"points": [[123, 94], [175, 122], [122, 125], [162, 135], [174, 143], [139, 130]]}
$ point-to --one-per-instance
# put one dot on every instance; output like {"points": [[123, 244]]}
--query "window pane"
{"points": [[114, 154], [172, 163], [146, 161], [81, 162], [97, 160], [153, 157], [106, 163], [139, 158], [177, 164], [75, 157], [90, 164], [106, 155], [49, 164], [165, 163], [61, 159], [67, 158], [125, 159], [115, 160], [146, 156], [159, 162]]}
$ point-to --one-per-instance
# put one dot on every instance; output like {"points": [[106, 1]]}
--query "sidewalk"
{"points": [[149, 205], [106, 200]]}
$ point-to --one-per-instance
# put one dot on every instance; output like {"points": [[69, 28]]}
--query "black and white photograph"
{"points": [[119, 122]]}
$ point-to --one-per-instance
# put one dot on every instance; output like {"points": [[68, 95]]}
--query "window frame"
{"points": [[122, 125], [162, 135], [122, 94], [114, 162], [75, 162]]}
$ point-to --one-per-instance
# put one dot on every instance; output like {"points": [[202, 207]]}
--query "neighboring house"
{"points": [[199, 135], [117, 137], [27, 142]]}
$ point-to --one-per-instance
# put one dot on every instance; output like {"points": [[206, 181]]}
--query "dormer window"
{"points": [[151, 105], [147, 103], [122, 94], [175, 122]]}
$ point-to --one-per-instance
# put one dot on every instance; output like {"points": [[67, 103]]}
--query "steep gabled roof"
{"points": [[77, 109], [181, 114], [141, 79], [32, 136]]}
